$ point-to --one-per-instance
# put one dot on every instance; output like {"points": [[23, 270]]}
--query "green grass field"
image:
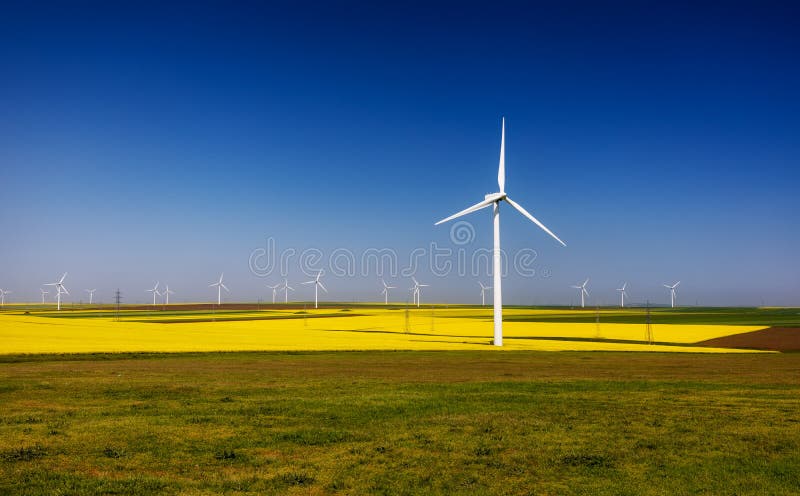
{"points": [[400, 423]]}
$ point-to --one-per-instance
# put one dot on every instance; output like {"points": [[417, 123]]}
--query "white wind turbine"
{"points": [[583, 291], [494, 200], [317, 284], [286, 288], [60, 288], [672, 292], [220, 286], [483, 293], [385, 291], [274, 291], [91, 294], [43, 293], [166, 294], [622, 294], [3, 294], [416, 290], [155, 292]]}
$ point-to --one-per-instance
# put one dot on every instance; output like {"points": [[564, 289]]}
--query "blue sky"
{"points": [[142, 143]]}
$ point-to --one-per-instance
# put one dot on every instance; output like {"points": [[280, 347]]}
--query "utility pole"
{"points": [[406, 316], [597, 322], [117, 300]]}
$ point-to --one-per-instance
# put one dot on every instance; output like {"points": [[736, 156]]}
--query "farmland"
{"points": [[240, 400], [458, 422], [193, 328]]}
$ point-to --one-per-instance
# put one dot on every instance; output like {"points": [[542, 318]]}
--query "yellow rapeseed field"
{"points": [[326, 329]]}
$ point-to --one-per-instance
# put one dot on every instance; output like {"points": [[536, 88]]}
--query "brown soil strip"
{"points": [[774, 338]]}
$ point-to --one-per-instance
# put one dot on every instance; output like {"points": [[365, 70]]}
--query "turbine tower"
{"points": [[286, 288], [317, 284], [166, 294], [385, 291], [3, 294], [274, 291], [494, 200], [622, 294], [416, 290], [60, 288], [483, 293], [220, 286], [583, 292], [672, 292], [91, 294], [43, 293], [155, 292]]}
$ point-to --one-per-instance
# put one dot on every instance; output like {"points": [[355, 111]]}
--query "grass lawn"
{"points": [[466, 422]]}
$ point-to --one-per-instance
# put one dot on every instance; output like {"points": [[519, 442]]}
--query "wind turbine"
{"points": [[286, 288], [385, 291], [155, 292], [91, 294], [494, 200], [583, 292], [219, 287], [416, 290], [672, 292], [3, 294], [274, 291], [60, 288], [317, 284], [166, 293], [483, 293], [43, 293], [622, 294]]}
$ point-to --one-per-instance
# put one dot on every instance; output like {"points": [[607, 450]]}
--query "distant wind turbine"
{"points": [[385, 291], [622, 295], [220, 286], [3, 294], [274, 290], [417, 291], [483, 293], [317, 284], [155, 292], [60, 288], [166, 294], [43, 293], [286, 288], [494, 200], [672, 292], [583, 291], [91, 294]]}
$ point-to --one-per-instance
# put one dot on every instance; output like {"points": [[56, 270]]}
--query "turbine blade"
{"points": [[533, 219], [62, 278], [323, 287], [483, 204], [676, 284], [225, 287], [501, 169]]}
